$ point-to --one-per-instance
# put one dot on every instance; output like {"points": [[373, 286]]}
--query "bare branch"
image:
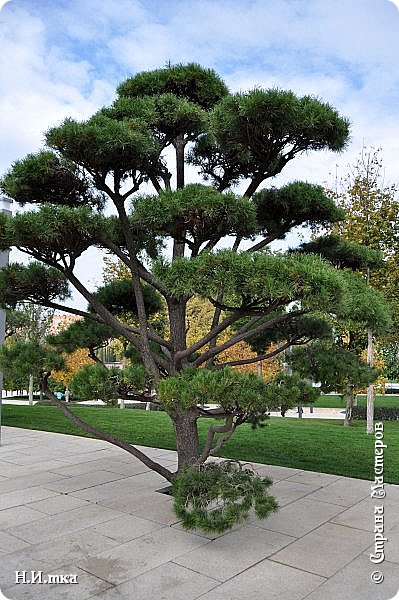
{"points": [[248, 361], [247, 334], [267, 240], [102, 435], [212, 431], [209, 336]]}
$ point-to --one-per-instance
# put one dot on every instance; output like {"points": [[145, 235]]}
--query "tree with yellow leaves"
{"points": [[372, 220]]}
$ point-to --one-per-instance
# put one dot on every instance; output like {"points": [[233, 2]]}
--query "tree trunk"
{"points": [[370, 390], [179, 146], [260, 375], [349, 405], [187, 441], [177, 320], [30, 391]]}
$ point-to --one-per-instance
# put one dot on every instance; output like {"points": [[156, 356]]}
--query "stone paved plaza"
{"points": [[76, 506]]}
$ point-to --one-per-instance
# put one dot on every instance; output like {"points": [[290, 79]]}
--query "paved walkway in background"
{"points": [[318, 413], [77, 506]]}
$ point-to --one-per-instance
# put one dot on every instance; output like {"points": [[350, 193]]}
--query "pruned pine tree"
{"points": [[243, 138]]}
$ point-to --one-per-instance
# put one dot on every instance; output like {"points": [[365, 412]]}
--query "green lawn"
{"points": [[315, 445], [334, 401]]}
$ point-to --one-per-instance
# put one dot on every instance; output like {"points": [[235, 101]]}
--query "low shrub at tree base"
{"points": [[215, 496]]}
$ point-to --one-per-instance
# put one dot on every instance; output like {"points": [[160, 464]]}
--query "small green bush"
{"points": [[216, 496]]}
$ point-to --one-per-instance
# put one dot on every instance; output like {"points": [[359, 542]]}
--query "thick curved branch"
{"points": [[142, 271], [102, 435], [107, 317], [69, 309], [209, 336], [212, 431], [248, 361], [247, 334], [267, 240]]}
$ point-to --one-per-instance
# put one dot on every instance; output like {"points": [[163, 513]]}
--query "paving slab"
{"points": [[167, 582], [10, 543], [101, 464], [325, 550], [138, 556], [72, 548], [32, 480], [81, 482], [125, 528], [18, 515], [345, 492], [234, 552], [49, 527], [267, 580], [123, 539], [24, 496], [354, 581], [56, 504], [361, 515], [312, 478], [391, 547], [286, 491], [86, 587], [300, 517], [275, 472]]}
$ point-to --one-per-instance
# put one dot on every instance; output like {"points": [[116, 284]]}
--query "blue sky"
{"points": [[65, 58]]}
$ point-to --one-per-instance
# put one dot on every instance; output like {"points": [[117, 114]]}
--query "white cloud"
{"points": [[63, 59]]}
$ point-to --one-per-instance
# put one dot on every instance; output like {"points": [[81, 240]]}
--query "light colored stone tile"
{"points": [[354, 583], [129, 560], [391, 547], [37, 460], [156, 452], [288, 491], [391, 513], [10, 563], [267, 580], [234, 552], [50, 526], [300, 517], [18, 515], [34, 479], [316, 479], [345, 492], [72, 548], [20, 497], [86, 587], [361, 515], [81, 482], [214, 536], [392, 492], [325, 550], [129, 488], [82, 455], [57, 504], [9, 469], [275, 472], [9, 543], [126, 528], [115, 465], [158, 510], [167, 582], [111, 594]]}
